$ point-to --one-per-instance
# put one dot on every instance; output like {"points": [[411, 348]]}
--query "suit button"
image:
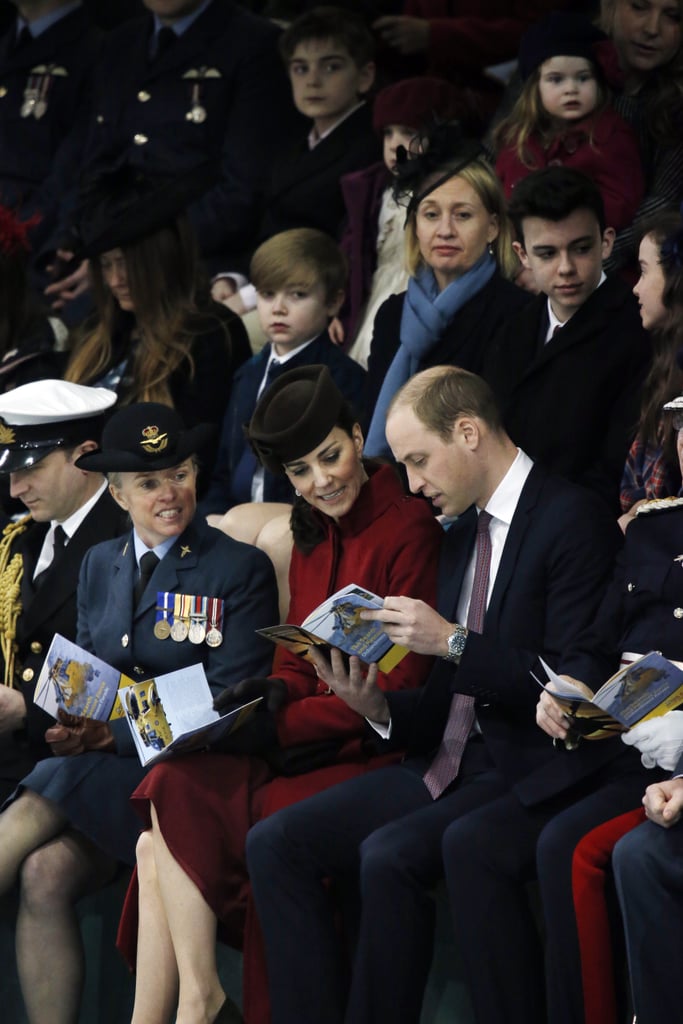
{"points": [[144, 96], [100, 118], [124, 640], [3, 91], [631, 587], [140, 139], [678, 613], [36, 647], [27, 675]]}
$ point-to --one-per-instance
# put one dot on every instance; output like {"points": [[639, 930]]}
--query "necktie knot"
{"points": [[483, 520], [164, 39], [148, 564], [59, 538]]}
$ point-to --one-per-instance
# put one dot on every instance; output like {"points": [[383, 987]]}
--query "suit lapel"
{"points": [[455, 554], [515, 538]]}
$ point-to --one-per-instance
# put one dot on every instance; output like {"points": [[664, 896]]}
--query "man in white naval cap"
{"points": [[44, 427]]}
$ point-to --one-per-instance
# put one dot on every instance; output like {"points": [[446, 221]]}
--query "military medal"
{"points": [[180, 629], [197, 113], [197, 631], [38, 87], [214, 636], [30, 98], [162, 627]]}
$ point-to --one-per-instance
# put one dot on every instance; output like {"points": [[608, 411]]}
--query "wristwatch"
{"points": [[456, 644]]}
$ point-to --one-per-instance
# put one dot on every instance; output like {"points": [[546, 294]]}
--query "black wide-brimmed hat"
{"points": [[44, 415], [119, 205], [294, 415], [143, 437]]}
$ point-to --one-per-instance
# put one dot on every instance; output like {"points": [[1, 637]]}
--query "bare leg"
{"points": [[27, 823], [49, 946], [192, 925], [275, 538], [245, 522], [156, 993]]}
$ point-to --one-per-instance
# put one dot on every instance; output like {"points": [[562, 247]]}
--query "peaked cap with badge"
{"points": [[39, 417], [144, 437]]}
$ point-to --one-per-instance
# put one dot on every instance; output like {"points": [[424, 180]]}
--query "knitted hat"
{"points": [[414, 102], [560, 34], [294, 415], [144, 437]]}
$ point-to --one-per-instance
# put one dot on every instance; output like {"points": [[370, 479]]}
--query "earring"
{"points": [[491, 249], [298, 493]]}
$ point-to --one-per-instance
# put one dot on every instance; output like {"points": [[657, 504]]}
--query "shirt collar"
{"points": [[553, 322], [314, 138], [503, 502], [275, 358], [40, 25], [182, 24], [160, 550], [72, 522]]}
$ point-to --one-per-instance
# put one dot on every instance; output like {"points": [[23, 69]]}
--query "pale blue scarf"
{"points": [[426, 314]]}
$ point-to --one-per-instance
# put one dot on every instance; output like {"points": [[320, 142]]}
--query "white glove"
{"points": [[659, 740]]}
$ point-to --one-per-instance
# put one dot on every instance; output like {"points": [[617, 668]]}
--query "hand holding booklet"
{"points": [[646, 688], [172, 713], [337, 623]]}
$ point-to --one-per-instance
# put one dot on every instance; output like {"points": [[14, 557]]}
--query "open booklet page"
{"points": [[648, 687], [77, 682], [337, 623], [174, 713]]}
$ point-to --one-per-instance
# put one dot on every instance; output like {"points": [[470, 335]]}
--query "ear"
{"points": [[521, 252], [118, 497], [608, 236], [358, 439], [366, 78], [494, 228], [335, 304], [466, 432]]}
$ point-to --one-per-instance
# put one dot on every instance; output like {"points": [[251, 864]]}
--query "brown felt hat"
{"points": [[294, 415]]}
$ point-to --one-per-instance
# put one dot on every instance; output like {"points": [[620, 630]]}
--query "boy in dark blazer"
{"points": [[567, 369], [300, 277]]}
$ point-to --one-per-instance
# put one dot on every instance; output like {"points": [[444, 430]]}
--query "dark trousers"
{"points": [[648, 869], [489, 855], [384, 832]]}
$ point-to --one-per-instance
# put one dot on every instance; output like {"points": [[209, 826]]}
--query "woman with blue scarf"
{"points": [[460, 258]]}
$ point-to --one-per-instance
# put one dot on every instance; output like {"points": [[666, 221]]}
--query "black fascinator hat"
{"points": [[439, 153]]}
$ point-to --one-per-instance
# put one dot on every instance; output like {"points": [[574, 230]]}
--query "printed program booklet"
{"points": [[76, 681], [648, 687], [337, 623], [174, 714]]}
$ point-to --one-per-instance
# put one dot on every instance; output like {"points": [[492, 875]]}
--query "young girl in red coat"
{"points": [[563, 116]]}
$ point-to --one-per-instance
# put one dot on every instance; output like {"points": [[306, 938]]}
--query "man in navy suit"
{"points": [[550, 550]]}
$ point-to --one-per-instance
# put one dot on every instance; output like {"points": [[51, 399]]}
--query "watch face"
{"points": [[456, 643]]}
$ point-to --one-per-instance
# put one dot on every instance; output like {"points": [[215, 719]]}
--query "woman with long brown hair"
{"points": [[157, 335]]}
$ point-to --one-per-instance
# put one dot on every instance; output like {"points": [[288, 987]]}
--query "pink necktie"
{"points": [[444, 768]]}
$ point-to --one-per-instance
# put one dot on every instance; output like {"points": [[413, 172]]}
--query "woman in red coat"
{"points": [[352, 523]]}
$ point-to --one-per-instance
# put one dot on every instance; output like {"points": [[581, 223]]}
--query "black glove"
{"points": [[273, 692]]}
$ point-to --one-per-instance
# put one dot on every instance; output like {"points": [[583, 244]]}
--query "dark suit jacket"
{"points": [[48, 608], [573, 403], [140, 110], [465, 341], [556, 563], [305, 188], [223, 492]]}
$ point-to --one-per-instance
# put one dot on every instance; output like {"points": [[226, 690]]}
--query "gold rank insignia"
{"points": [[152, 441], [7, 435], [185, 550]]}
